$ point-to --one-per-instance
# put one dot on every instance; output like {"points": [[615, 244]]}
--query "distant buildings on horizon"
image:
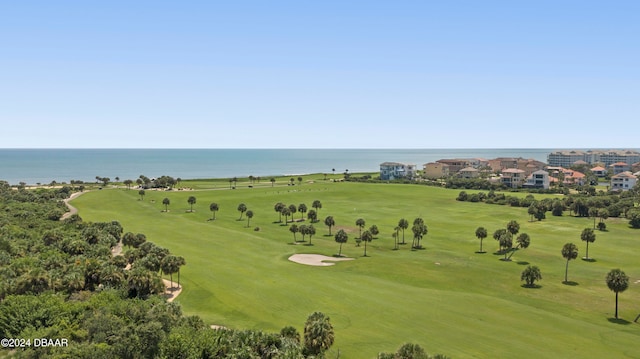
{"points": [[521, 172]]}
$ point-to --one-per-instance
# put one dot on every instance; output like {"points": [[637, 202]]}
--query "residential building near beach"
{"points": [[395, 170], [624, 181], [606, 157]]}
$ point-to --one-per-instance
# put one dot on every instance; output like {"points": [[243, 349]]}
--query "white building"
{"points": [[623, 181], [396, 170], [538, 179]]}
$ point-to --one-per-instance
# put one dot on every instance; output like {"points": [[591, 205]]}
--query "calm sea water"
{"points": [[34, 166]]}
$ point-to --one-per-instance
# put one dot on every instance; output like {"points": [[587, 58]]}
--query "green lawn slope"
{"points": [[446, 297]]}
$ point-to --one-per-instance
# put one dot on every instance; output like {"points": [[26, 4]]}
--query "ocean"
{"points": [[42, 166]]}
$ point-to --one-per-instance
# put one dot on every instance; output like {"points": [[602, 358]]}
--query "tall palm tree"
{"points": [[242, 208], [213, 207], [294, 229], [396, 237], [618, 282], [304, 230], [249, 216], [191, 201], [589, 236], [403, 224], [302, 208], [360, 223], [169, 265], [513, 227], [273, 181], [141, 193], [286, 213], [317, 205], [481, 233], [312, 215], [419, 230], [569, 252], [366, 236], [278, 208], [523, 241], [341, 237], [318, 333], [329, 222], [311, 231], [292, 210]]}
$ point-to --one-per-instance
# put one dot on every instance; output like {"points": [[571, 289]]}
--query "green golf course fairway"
{"points": [[446, 297]]}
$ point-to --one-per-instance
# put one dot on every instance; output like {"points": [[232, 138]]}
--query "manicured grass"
{"points": [[446, 297]]}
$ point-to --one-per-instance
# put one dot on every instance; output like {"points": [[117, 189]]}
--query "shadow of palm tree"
{"points": [[589, 260], [481, 252], [618, 321], [570, 283], [522, 263], [535, 286]]}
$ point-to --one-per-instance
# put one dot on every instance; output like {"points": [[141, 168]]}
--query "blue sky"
{"points": [[323, 74]]}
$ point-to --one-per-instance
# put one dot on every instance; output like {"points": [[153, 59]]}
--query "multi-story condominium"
{"points": [[527, 165], [608, 157], [469, 172], [513, 177], [396, 170], [623, 181], [456, 164], [619, 167], [538, 179], [435, 170]]}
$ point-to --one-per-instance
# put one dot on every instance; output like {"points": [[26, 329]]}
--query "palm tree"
{"points": [[341, 237], [273, 180], [299, 181], [292, 210], [366, 236], [249, 216], [128, 239], [506, 243], [311, 231], [419, 230], [191, 201], [481, 233], [302, 208], [374, 230], [360, 223], [618, 282], [141, 193], [303, 229], [166, 202], [513, 227], [285, 212], [523, 241], [169, 265], [403, 224], [569, 252], [530, 275], [318, 333], [589, 236], [278, 208], [242, 208], [329, 222], [317, 205], [294, 229], [396, 235], [312, 215], [213, 207]]}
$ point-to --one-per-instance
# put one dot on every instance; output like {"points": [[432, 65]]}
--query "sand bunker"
{"points": [[316, 259]]}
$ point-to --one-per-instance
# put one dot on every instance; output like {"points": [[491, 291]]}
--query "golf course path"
{"points": [[172, 290], [316, 259], [72, 210]]}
